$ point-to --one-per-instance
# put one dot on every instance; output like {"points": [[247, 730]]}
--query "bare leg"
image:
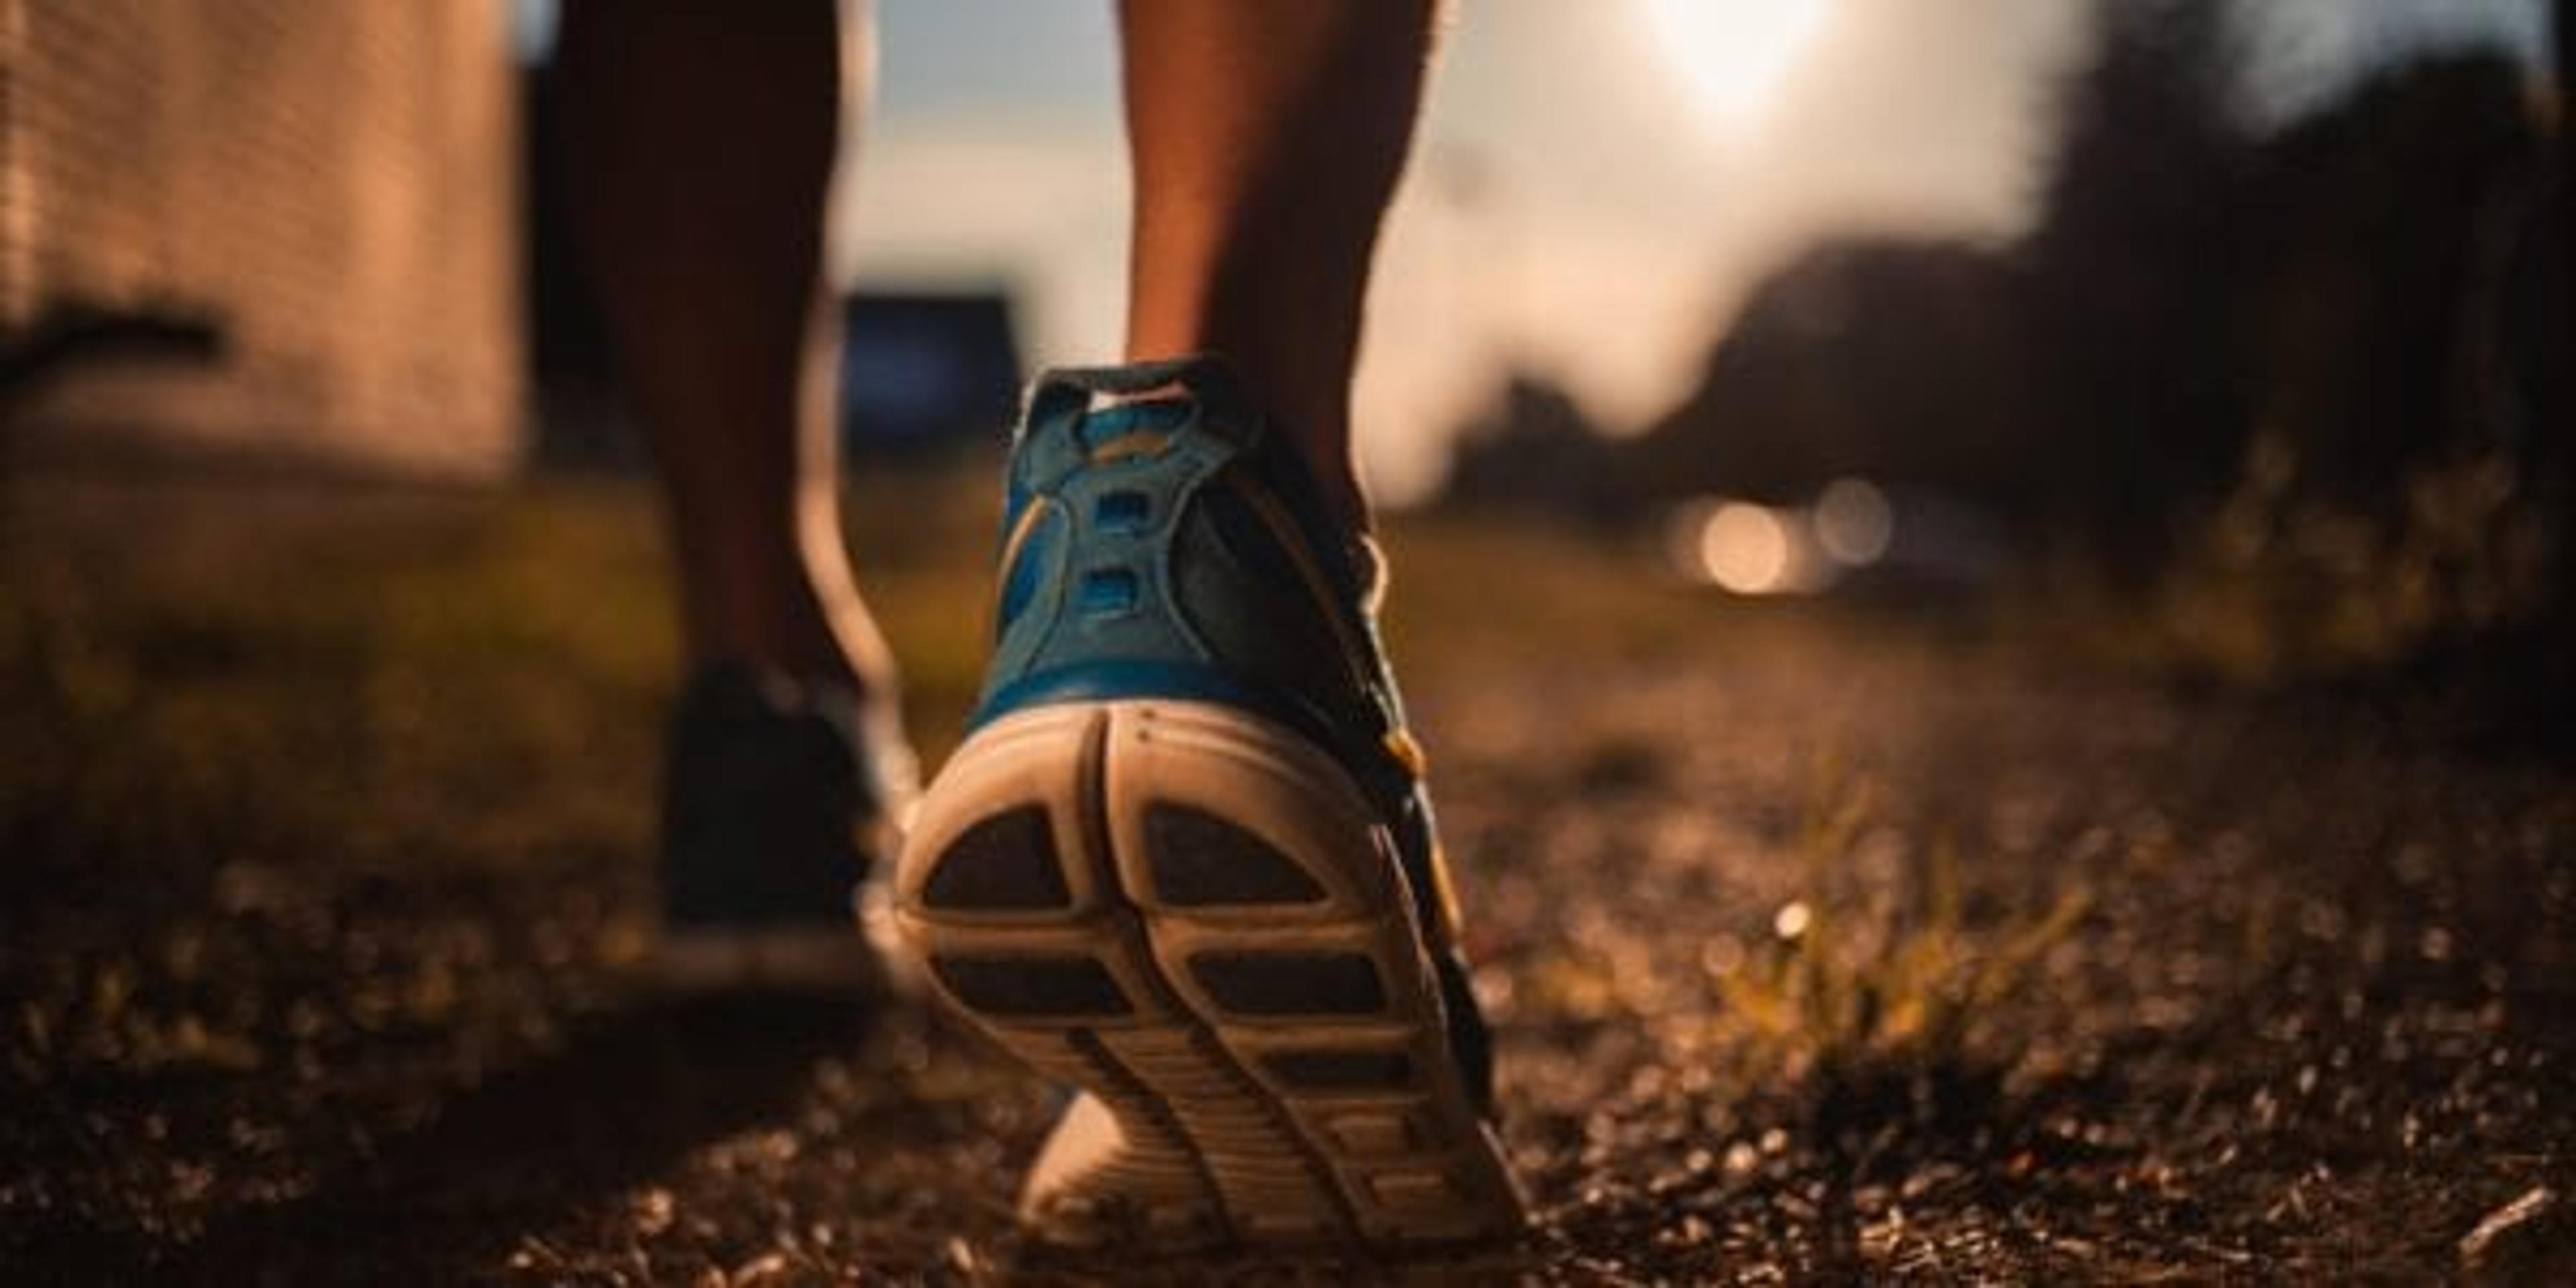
{"points": [[1268, 136], [698, 141]]}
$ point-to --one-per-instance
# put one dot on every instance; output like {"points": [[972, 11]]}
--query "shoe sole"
{"points": [[1193, 914]]}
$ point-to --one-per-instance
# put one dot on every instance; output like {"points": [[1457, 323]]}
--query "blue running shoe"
{"points": [[1183, 860]]}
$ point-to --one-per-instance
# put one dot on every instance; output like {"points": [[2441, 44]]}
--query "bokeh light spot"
{"points": [[1745, 548], [1853, 522]]}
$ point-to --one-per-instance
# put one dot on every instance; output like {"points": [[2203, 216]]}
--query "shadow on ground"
{"points": [[629, 1096]]}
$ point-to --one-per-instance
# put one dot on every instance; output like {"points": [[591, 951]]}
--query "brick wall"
{"points": [[331, 183]]}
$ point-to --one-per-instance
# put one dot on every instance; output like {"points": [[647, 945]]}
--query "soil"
{"points": [[1827, 941]]}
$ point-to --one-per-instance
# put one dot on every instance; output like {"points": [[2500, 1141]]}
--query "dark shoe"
{"points": [[1184, 861], [778, 800]]}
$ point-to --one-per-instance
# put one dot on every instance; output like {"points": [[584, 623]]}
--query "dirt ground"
{"points": [[1828, 942]]}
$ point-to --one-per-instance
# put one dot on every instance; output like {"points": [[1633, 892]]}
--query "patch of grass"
{"points": [[2283, 585], [1474, 582], [1892, 973], [924, 539], [307, 670]]}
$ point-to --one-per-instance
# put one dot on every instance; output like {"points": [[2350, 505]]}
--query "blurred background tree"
{"points": [[2299, 385]]}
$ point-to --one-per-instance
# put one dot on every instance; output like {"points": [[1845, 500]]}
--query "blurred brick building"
{"points": [[275, 229]]}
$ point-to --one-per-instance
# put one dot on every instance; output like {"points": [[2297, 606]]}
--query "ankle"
{"points": [[795, 622], [1306, 403], [1336, 477], [1319, 428]]}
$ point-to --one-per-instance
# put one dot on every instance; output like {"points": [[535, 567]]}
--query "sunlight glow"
{"points": [[1734, 53]]}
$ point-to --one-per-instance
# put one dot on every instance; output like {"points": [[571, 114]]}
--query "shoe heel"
{"points": [[1193, 915]]}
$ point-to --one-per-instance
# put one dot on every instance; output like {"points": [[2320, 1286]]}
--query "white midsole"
{"points": [[1202, 1127]]}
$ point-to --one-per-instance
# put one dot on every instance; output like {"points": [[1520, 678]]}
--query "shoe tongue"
{"points": [[1157, 416]]}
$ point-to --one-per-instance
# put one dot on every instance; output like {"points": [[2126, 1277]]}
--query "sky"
{"points": [[1596, 185]]}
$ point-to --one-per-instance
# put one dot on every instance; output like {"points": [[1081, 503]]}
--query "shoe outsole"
{"points": [[1193, 915]]}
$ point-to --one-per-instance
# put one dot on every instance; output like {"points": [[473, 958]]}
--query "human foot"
{"points": [[1184, 861]]}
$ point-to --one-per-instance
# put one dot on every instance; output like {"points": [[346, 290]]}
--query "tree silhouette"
{"points": [[2136, 271]]}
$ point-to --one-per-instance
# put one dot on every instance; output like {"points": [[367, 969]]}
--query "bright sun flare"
{"points": [[1734, 52]]}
